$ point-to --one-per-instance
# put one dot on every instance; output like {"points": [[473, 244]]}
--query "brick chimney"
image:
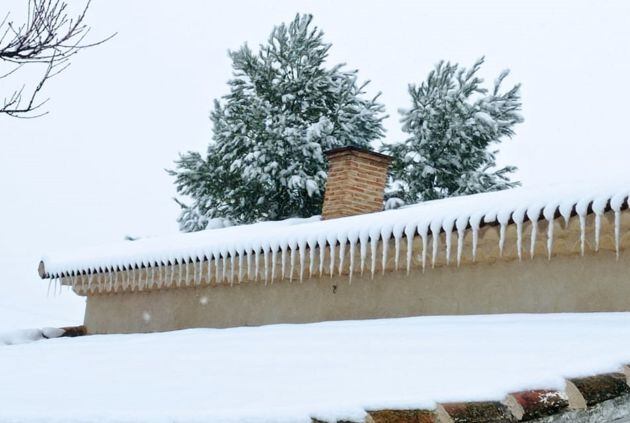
{"points": [[356, 182]]}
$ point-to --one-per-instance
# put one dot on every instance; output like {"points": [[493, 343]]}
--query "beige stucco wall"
{"points": [[568, 282]]}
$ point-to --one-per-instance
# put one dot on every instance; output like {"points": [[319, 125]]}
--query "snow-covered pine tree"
{"points": [[453, 123], [284, 109]]}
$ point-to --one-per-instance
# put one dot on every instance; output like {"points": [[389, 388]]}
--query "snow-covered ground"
{"points": [[291, 372]]}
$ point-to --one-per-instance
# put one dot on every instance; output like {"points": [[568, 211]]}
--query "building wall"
{"points": [[493, 283]]}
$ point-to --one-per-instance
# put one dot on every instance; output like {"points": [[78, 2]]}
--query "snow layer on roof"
{"points": [[288, 373], [457, 214]]}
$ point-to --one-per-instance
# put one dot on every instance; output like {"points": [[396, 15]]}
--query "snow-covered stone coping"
{"points": [[297, 236]]}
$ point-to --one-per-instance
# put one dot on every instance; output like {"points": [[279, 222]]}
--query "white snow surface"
{"points": [[291, 372], [22, 336], [294, 234]]}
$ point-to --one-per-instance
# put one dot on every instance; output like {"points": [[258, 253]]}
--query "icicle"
{"points": [[312, 244], [435, 244], [161, 275], [460, 245], [474, 222], [503, 218], [599, 206], [232, 264], [533, 214], [518, 216], [475, 238], [424, 235], [532, 245], [386, 234], [273, 264], [409, 234], [209, 269], [194, 278], [283, 260], [292, 260], [186, 264], [266, 264], [374, 245], [142, 285], [617, 232], [565, 209], [353, 244], [615, 203], [256, 263], [461, 224], [332, 244], [582, 233], [581, 208], [180, 275], [302, 251], [519, 239], [224, 266], [549, 238], [249, 264], [364, 239], [241, 254], [448, 230], [384, 256], [398, 232], [321, 245], [217, 265], [124, 278], [549, 213], [342, 255], [199, 271]]}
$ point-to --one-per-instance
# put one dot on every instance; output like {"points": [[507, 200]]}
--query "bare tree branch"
{"points": [[49, 37]]}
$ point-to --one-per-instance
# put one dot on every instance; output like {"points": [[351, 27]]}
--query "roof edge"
{"points": [[351, 149]]}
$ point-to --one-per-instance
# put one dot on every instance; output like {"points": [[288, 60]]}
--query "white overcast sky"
{"points": [[92, 170]]}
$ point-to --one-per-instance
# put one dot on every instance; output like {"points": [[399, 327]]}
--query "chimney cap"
{"points": [[351, 148]]}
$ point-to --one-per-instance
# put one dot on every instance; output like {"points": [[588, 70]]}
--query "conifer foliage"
{"points": [[283, 110], [453, 125]]}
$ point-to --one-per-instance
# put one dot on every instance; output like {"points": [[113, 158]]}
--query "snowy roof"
{"points": [[457, 214], [250, 374]]}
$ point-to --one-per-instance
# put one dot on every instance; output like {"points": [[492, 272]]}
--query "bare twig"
{"points": [[48, 37]]}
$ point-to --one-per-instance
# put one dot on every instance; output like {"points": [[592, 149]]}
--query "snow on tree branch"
{"points": [[284, 109], [452, 124]]}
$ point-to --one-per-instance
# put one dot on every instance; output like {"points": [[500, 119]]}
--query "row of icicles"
{"points": [[248, 264]]}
